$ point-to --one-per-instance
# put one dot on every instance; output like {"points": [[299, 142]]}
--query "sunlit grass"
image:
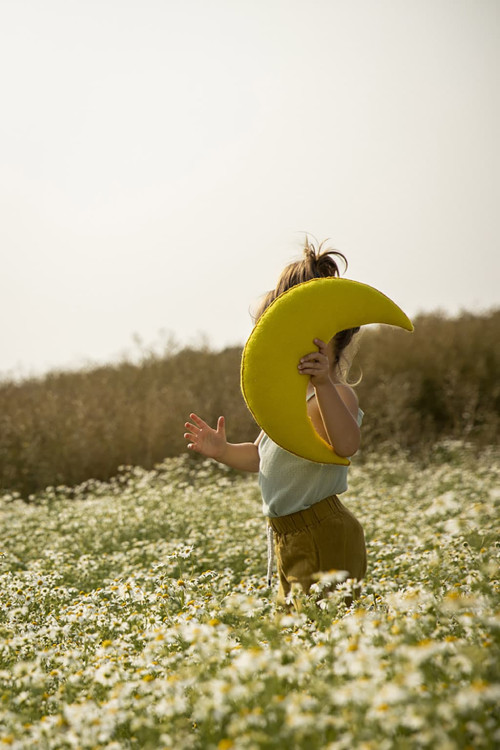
{"points": [[135, 614]]}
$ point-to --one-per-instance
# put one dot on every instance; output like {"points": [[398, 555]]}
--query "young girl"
{"points": [[313, 531]]}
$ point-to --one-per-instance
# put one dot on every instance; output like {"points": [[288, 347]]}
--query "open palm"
{"points": [[204, 439]]}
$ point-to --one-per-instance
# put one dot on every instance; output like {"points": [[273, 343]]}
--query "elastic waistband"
{"points": [[304, 518]]}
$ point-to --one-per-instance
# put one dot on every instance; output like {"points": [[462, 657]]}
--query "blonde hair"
{"points": [[318, 262]]}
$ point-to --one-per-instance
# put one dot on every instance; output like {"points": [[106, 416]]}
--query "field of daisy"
{"points": [[135, 614]]}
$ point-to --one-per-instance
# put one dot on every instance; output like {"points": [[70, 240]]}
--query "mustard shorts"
{"points": [[324, 537]]}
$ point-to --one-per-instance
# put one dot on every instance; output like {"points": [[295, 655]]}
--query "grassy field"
{"points": [[135, 614]]}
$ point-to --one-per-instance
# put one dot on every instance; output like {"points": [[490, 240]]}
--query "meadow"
{"points": [[135, 614]]}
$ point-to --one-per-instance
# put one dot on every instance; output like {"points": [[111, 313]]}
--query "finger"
{"points": [[322, 346], [314, 364], [197, 420], [311, 369], [221, 425], [191, 427], [313, 357]]}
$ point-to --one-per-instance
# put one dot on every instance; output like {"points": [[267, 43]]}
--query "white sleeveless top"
{"points": [[289, 483]]}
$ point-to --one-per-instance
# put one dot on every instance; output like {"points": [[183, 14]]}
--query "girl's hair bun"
{"points": [[322, 263], [316, 263]]}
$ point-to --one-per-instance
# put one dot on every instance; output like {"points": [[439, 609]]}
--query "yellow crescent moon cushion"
{"points": [[273, 389]]}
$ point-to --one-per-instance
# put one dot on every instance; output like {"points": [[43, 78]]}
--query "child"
{"points": [[314, 532]]}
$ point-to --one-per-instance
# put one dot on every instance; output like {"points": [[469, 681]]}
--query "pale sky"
{"points": [[161, 160]]}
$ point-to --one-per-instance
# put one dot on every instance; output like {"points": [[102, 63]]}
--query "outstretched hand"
{"points": [[204, 439], [316, 364]]}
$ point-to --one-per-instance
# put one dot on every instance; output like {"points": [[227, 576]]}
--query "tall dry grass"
{"points": [[441, 381]]}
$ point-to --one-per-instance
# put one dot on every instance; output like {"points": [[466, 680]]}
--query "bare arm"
{"points": [[337, 403], [213, 444]]}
